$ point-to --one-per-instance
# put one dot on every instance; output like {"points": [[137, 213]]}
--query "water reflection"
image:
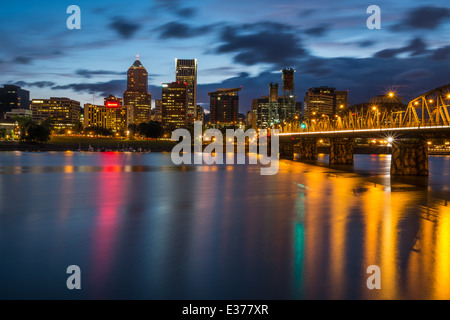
{"points": [[142, 228]]}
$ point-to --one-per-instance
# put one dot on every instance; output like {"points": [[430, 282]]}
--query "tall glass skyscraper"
{"points": [[137, 94], [186, 72]]}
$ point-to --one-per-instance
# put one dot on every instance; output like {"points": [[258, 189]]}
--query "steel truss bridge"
{"points": [[425, 116]]}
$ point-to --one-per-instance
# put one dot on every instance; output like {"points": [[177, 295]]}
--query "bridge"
{"points": [[408, 130]]}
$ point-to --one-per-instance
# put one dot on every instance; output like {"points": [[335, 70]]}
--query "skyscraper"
{"points": [[320, 101], [186, 72], [137, 94], [174, 102], [224, 106], [13, 97]]}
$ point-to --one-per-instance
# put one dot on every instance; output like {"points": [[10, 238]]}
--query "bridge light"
{"points": [[448, 96], [390, 139], [391, 94], [429, 143], [374, 108], [416, 103], [431, 101]]}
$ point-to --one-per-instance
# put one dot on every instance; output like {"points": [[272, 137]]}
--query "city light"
{"points": [[391, 94]]}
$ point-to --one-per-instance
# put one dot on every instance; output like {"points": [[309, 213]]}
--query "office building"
{"points": [[224, 106], [200, 114], [137, 95], [186, 72], [111, 116], [13, 97], [158, 111], [27, 113], [174, 105], [64, 112], [320, 101]]}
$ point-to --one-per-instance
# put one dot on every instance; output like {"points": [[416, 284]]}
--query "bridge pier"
{"points": [[341, 151], [306, 149], [287, 146], [409, 158]]}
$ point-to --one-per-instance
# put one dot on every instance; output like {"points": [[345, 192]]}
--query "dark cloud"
{"points": [[125, 28], [306, 13], [366, 43], [89, 73], [263, 42], [39, 84], [176, 7], [441, 53], [22, 60], [179, 30], [414, 75], [186, 12], [114, 87], [428, 18], [318, 31], [416, 47]]}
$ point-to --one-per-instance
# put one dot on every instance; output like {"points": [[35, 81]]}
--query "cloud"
{"points": [[413, 75], [416, 47], [263, 42], [366, 43], [39, 84], [318, 31], [114, 87], [427, 18], [441, 53], [179, 30], [22, 60], [125, 28], [89, 73], [186, 12], [176, 7]]}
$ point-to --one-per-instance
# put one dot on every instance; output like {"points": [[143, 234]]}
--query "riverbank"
{"points": [[64, 143]]}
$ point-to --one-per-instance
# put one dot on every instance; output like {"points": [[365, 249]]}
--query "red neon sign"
{"points": [[111, 104]]}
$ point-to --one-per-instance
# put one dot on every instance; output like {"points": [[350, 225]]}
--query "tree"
{"points": [[3, 133], [152, 129], [38, 133], [98, 131], [133, 129], [78, 127], [23, 124]]}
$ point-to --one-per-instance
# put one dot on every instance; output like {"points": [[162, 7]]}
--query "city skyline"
{"points": [[328, 47]]}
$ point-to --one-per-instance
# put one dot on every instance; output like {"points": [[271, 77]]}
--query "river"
{"points": [[140, 227]]}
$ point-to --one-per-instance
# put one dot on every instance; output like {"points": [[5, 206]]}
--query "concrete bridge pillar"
{"points": [[306, 149], [287, 146], [341, 151], [409, 158]]}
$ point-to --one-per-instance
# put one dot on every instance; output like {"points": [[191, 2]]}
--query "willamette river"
{"points": [[140, 227]]}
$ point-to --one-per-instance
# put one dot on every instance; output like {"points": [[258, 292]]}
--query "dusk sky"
{"points": [[237, 43]]}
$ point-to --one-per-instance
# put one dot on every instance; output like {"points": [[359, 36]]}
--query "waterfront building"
{"points": [[137, 95], [64, 112]]}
